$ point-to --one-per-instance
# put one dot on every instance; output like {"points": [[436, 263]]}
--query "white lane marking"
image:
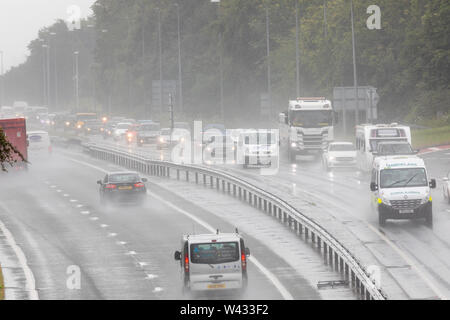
{"points": [[73, 200], [157, 289], [142, 264], [29, 277], [79, 205], [103, 225], [151, 276], [59, 191], [272, 278], [131, 253], [66, 195], [93, 218], [112, 234], [85, 212], [53, 187], [121, 243]]}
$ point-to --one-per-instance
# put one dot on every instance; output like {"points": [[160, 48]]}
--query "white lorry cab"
{"points": [[368, 136], [210, 262], [401, 189], [307, 126]]}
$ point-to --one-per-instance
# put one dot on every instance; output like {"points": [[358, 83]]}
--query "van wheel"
{"points": [[381, 218], [429, 218]]}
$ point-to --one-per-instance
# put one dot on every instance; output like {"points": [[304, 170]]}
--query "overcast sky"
{"points": [[20, 21]]}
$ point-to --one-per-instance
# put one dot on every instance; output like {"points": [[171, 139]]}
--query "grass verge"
{"points": [[2, 286], [430, 137]]}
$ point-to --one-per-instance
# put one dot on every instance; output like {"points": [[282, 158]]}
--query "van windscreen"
{"points": [[214, 253]]}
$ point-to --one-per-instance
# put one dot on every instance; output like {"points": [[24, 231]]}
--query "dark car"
{"points": [[92, 127], [122, 187]]}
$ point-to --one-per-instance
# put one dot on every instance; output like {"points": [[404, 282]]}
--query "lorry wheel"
{"points": [[381, 218]]}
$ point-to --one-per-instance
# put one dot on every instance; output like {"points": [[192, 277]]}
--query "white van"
{"points": [[401, 189], [212, 262], [39, 144]]}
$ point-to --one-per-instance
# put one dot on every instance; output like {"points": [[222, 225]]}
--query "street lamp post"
{"points": [[161, 104], [77, 101], [2, 86], [180, 80], [355, 80], [269, 85], [297, 50]]}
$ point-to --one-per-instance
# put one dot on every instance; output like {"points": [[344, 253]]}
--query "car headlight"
{"points": [[161, 139], [293, 144], [332, 158], [384, 200]]}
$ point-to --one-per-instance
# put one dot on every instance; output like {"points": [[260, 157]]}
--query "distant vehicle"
{"points": [[257, 148], [129, 120], [213, 262], [93, 126], [164, 139], [368, 136], [122, 187], [392, 148], [81, 118], [400, 189], [147, 133], [307, 127], [446, 187], [108, 129], [39, 144], [16, 132], [20, 108], [121, 129], [339, 155], [220, 148]]}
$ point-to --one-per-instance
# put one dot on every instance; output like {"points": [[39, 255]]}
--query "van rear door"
{"points": [[215, 265]]}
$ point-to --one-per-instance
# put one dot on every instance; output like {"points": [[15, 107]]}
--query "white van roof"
{"points": [[391, 162], [212, 237]]}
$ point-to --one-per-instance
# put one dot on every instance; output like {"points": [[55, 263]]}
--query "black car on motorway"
{"points": [[122, 187]]}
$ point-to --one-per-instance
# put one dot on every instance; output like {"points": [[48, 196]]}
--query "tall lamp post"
{"points": [[297, 50], [355, 80], [269, 85], [77, 99], [180, 79], [2, 86]]}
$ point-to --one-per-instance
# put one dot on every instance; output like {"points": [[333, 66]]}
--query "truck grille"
{"points": [[405, 204], [312, 140]]}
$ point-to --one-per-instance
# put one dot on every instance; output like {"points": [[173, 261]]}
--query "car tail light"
{"points": [[130, 135], [244, 261], [110, 186], [139, 185], [186, 263]]}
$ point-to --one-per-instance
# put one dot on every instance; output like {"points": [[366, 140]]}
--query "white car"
{"points": [[339, 154], [446, 187], [39, 144], [121, 129]]}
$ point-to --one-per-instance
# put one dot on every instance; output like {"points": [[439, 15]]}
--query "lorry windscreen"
{"points": [[214, 252], [311, 118], [400, 178]]}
